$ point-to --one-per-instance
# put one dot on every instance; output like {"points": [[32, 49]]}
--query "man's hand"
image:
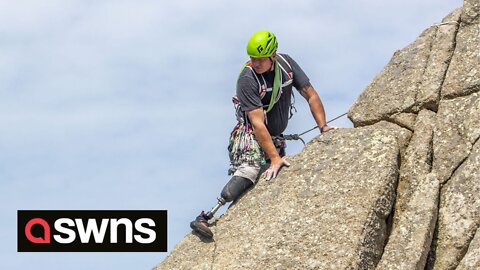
{"points": [[275, 166], [327, 128]]}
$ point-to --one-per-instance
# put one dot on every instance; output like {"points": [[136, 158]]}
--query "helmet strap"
{"points": [[272, 62]]}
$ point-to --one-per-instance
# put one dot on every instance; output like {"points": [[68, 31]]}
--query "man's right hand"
{"points": [[257, 119], [275, 167]]}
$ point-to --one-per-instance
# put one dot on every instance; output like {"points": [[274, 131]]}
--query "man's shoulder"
{"points": [[246, 76], [246, 72], [285, 56], [247, 80], [285, 61]]}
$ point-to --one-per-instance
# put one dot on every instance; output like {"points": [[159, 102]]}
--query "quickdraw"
{"points": [[243, 147]]}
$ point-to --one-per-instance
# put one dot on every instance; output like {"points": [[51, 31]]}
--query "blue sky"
{"points": [[125, 105]]}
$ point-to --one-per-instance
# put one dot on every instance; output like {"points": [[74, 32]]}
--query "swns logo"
{"points": [[92, 231]]}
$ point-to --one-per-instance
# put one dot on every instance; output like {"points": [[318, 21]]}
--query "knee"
{"points": [[235, 187]]}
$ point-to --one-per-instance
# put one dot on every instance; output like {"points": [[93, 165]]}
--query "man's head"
{"points": [[262, 48]]}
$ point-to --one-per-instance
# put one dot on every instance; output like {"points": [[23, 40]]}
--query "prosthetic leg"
{"points": [[231, 191]]}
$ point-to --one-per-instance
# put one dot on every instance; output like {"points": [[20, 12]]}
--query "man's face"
{"points": [[261, 65]]}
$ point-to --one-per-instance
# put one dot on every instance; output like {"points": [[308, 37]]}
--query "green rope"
{"points": [[276, 87]]}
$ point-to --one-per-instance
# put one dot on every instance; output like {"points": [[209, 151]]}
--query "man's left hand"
{"points": [[328, 128]]}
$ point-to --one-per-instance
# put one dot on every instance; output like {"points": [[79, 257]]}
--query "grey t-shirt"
{"points": [[252, 95]]}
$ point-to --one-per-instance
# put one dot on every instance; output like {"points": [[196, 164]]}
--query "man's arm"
{"points": [[316, 106], [257, 118]]}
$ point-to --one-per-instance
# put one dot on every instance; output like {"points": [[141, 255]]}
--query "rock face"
{"points": [[401, 190], [416, 204], [293, 222]]}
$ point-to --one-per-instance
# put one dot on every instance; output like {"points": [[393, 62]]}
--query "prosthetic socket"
{"points": [[231, 192]]}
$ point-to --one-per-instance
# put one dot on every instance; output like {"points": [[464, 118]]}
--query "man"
{"points": [[264, 104]]}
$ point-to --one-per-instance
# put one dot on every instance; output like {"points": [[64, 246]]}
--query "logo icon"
{"points": [[46, 231], [260, 48]]}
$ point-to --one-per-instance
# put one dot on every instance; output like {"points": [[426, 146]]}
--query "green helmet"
{"points": [[262, 44]]}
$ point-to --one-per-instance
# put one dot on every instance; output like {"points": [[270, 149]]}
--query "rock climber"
{"points": [[263, 105]]}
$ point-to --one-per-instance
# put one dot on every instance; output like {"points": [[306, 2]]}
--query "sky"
{"points": [[126, 105]]}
